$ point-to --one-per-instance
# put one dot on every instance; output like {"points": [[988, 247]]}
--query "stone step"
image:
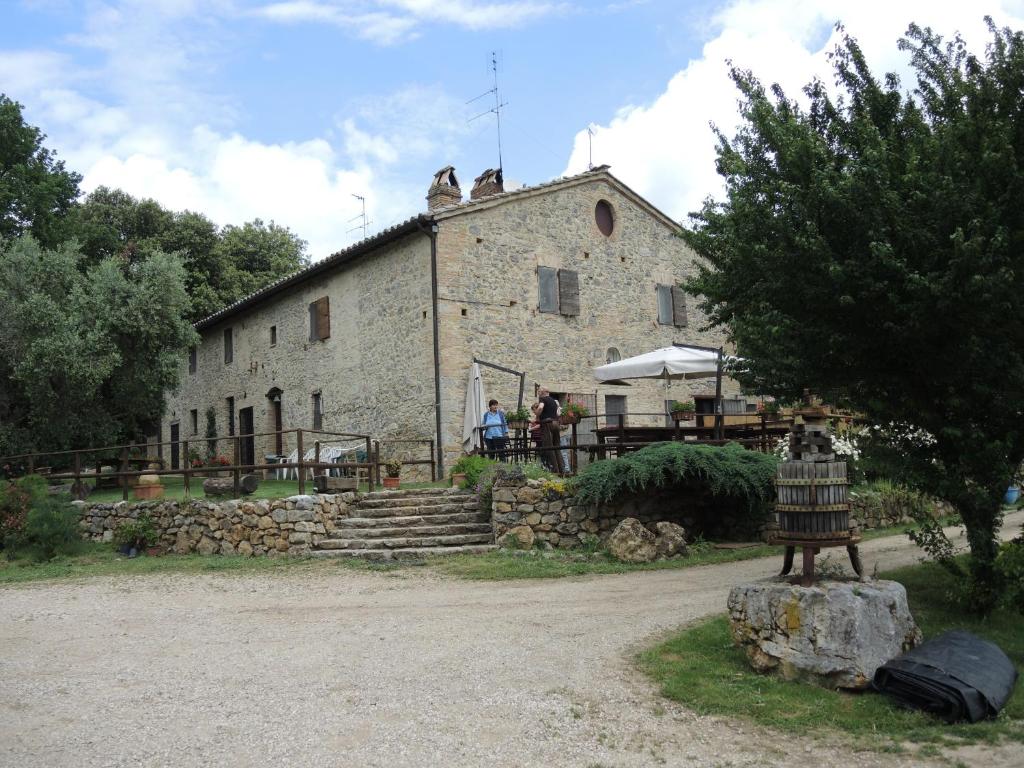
{"points": [[453, 518], [410, 511], [413, 501], [423, 492], [407, 553], [418, 531], [404, 542]]}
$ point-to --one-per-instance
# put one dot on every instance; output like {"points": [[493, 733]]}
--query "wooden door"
{"points": [[248, 442], [175, 447]]}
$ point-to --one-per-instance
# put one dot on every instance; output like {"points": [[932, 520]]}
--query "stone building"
{"points": [[550, 280]]}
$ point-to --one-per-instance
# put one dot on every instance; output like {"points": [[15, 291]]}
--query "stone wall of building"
{"points": [[236, 527], [374, 372], [535, 511], [488, 257]]}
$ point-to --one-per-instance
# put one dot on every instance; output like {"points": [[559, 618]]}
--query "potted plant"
{"points": [[519, 418], [572, 413], [683, 410], [392, 469], [770, 408], [132, 536]]}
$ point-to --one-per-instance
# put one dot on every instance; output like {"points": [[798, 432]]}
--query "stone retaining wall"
{"points": [[259, 527], [533, 511]]}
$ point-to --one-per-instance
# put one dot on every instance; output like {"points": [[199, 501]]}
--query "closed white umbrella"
{"points": [[476, 404], [665, 363]]}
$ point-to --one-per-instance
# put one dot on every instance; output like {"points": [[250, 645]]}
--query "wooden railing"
{"points": [[134, 459]]}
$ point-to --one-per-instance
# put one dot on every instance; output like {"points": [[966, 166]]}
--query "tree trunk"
{"points": [[225, 486]]}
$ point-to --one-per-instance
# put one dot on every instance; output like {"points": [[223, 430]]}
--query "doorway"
{"points": [[274, 396], [248, 442], [175, 447]]}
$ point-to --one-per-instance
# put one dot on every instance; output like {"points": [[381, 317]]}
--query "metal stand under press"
{"points": [[811, 496]]}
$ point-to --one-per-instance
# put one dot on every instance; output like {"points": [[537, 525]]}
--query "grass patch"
{"points": [[701, 668], [103, 560], [174, 489]]}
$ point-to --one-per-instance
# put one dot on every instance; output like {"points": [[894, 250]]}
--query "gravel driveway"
{"points": [[346, 668]]}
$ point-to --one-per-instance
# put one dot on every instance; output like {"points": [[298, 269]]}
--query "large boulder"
{"points": [[225, 486], [630, 542], [671, 540], [518, 537], [834, 634]]}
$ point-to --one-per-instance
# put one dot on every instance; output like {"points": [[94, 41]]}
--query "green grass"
{"points": [[174, 489], [701, 668], [102, 560]]}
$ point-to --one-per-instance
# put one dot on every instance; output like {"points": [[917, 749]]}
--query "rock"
{"points": [[225, 486], [833, 634], [207, 546], [630, 542], [533, 518], [520, 537], [244, 548], [671, 540]]}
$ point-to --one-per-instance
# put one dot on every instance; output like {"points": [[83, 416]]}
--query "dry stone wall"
{"points": [[236, 527]]}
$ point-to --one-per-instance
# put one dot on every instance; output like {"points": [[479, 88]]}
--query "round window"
{"points": [[604, 218]]}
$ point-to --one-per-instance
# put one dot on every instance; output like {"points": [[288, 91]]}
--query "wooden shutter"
{"points": [[568, 292], [665, 304], [320, 319], [547, 289], [678, 306]]}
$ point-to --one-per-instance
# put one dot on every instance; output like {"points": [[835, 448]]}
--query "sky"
{"points": [[287, 110]]}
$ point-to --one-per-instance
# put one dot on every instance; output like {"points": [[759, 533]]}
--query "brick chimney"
{"points": [[444, 189], [487, 183]]}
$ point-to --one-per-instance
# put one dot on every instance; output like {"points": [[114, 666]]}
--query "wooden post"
{"points": [[316, 457], [433, 464], [376, 460], [76, 463], [369, 466], [573, 462], [622, 431], [236, 473], [187, 467], [302, 463], [124, 468], [31, 463]]}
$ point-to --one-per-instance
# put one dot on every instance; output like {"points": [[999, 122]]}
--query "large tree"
{"points": [[221, 265], [87, 352], [871, 247], [35, 189]]}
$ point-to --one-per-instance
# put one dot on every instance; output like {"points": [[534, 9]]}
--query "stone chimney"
{"points": [[444, 189], [487, 183]]}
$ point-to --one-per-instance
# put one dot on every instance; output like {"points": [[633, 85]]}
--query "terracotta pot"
{"points": [[683, 415], [458, 478], [515, 424], [568, 418], [391, 482]]}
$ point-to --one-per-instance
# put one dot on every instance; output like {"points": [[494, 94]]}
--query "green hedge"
{"points": [[728, 470]]}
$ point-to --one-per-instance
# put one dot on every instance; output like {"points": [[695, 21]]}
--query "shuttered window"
{"points": [[229, 347], [558, 290], [318, 411], [672, 306], [320, 319]]}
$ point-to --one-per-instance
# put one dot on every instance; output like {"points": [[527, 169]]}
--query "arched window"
{"points": [[613, 355], [604, 217]]}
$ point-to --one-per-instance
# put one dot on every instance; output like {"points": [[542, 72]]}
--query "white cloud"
{"points": [[665, 149]]}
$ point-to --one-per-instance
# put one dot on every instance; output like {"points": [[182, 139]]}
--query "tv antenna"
{"points": [[498, 103], [362, 216], [590, 149]]}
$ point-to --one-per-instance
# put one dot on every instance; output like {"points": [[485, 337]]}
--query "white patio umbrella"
{"points": [[680, 361], [476, 405]]}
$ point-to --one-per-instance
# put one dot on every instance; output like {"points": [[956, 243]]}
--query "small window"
{"points": [[672, 306], [558, 291], [320, 319], [194, 416], [613, 355], [318, 411], [231, 415], [229, 349], [273, 335], [604, 218], [191, 359]]}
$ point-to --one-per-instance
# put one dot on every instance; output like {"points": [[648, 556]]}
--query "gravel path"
{"points": [[375, 669]]}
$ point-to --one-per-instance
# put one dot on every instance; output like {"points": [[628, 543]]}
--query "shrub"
{"points": [[16, 499], [50, 529], [729, 470], [393, 467], [136, 533], [472, 467]]}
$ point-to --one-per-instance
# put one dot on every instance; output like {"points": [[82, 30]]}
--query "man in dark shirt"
{"points": [[549, 432]]}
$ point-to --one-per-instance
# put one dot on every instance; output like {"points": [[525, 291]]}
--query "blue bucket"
{"points": [[1012, 494]]}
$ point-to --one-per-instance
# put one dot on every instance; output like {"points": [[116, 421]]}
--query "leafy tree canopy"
{"points": [[35, 189], [871, 247], [87, 351], [221, 265]]}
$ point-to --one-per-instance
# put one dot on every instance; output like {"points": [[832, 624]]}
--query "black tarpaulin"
{"points": [[956, 676]]}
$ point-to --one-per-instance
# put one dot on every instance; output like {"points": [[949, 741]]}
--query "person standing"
{"points": [[495, 429], [550, 430]]}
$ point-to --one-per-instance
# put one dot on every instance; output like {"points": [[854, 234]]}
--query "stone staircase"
{"points": [[410, 525]]}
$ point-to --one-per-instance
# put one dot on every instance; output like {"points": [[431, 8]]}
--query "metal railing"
{"points": [[131, 460]]}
